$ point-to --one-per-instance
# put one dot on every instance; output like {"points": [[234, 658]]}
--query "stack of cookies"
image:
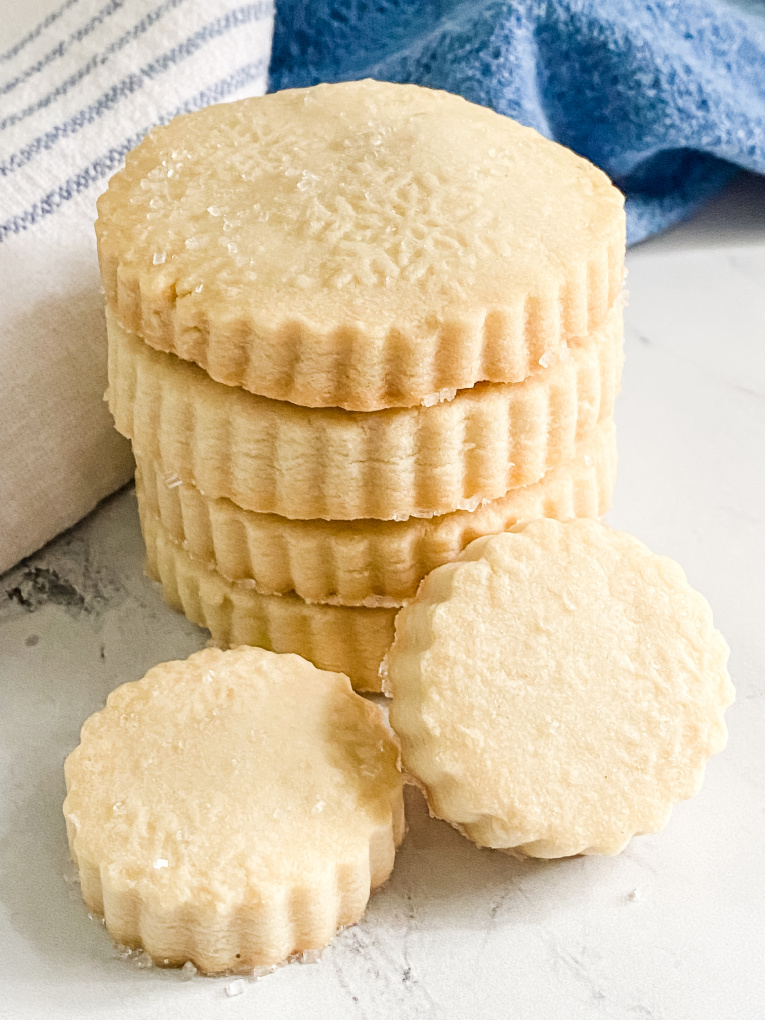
{"points": [[352, 328]]}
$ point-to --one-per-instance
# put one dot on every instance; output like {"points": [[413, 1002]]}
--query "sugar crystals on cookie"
{"points": [[233, 809], [557, 689]]}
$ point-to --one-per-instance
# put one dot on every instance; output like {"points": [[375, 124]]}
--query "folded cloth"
{"points": [[76, 93], [667, 97]]}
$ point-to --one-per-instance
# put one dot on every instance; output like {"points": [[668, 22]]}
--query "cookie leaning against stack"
{"points": [[356, 321], [557, 688]]}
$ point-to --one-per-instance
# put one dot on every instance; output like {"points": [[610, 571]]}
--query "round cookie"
{"points": [[233, 809], [304, 463], [557, 689], [359, 245], [365, 562]]}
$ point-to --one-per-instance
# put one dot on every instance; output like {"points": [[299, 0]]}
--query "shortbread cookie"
{"points": [[557, 689], [233, 809], [360, 245], [275, 457], [343, 639], [363, 562]]}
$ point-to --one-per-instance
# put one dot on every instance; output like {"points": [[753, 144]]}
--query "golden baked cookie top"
{"points": [[223, 778], [557, 689], [361, 245]]}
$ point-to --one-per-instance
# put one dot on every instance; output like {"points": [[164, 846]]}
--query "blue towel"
{"points": [[667, 96]]}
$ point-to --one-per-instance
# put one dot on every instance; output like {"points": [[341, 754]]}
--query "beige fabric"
{"points": [[59, 453], [557, 689], [361, 245], [274, 457], [233, 809], [363, 562], [343, 639]]}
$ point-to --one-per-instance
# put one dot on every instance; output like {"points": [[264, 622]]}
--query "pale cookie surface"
{"points": [[367, 562], [345, 639], [233, 809], [274, 457], [360, 245], [557, 689]]}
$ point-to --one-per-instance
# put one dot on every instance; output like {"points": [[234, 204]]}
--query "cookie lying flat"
{"points": [[274, 457], [366, 562], [359, 245], [344, 639], [233, 809], [557, 689]]}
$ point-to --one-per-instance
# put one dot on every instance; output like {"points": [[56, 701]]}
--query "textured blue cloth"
{"points": [[668, 97]]}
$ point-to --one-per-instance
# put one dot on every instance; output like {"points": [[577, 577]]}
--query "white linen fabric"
{"points": [[77, 92]]}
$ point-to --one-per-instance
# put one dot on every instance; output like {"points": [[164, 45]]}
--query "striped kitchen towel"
{"points": [[77, 92]]}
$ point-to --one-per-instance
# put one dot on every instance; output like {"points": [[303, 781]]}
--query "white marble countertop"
{"points": [[673, 928]]}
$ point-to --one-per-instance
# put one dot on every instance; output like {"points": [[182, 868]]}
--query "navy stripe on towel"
{"points": [[111, 160], [133, 83], [60, 48], [31, 36], [137, 30]]}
